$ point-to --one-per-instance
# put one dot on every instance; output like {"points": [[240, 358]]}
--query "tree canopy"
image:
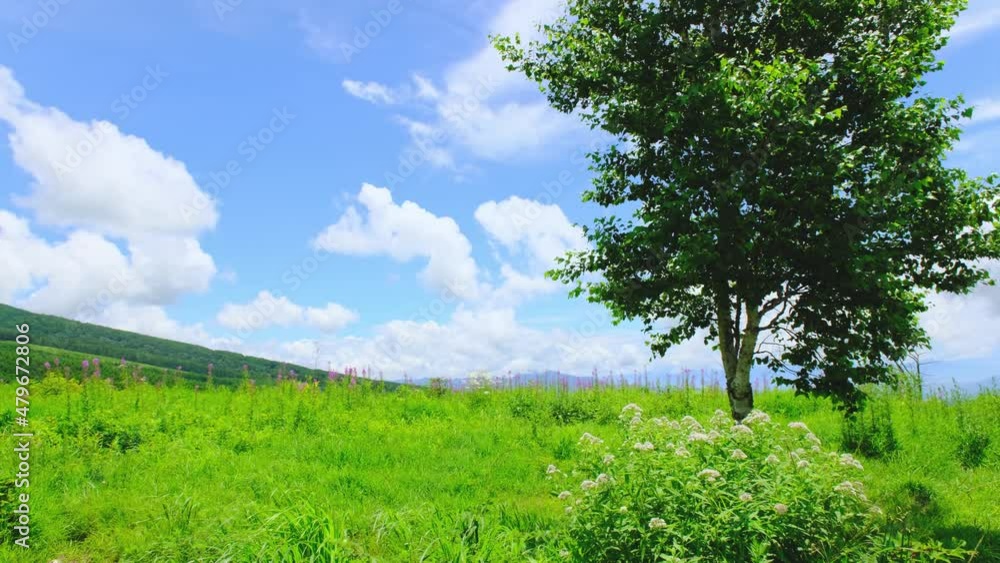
{"points": [[792, 199]]}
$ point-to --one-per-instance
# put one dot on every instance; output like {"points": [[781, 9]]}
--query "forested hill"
{"points": [[75, 336]]}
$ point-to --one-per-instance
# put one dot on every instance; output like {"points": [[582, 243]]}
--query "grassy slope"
{"points": [[85, 340], [147, 474]]}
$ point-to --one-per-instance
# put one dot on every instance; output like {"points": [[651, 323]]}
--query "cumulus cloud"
{"points": [[965, 326], [404, 232], [91, 174], [540, 231], [86, 272], [490, 339], [131, 235], [267, 309], [480, 106]]}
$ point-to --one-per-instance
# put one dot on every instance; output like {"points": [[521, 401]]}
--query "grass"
{"points": [[161, 473]]}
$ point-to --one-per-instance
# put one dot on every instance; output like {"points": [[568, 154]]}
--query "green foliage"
{"points": [[785, 172], [870, 431], [973, 443], [680, 491], [276, 473]]}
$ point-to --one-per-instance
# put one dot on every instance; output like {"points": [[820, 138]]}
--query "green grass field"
{"points": [[174, 474]]}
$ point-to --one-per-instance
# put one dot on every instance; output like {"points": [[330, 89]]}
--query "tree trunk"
{"points": [[737, 357]]}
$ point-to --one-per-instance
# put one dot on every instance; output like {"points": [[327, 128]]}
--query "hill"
{"points": [[87, 339]]}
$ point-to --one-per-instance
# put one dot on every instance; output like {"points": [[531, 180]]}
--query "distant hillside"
{"points": [[94, 340]]}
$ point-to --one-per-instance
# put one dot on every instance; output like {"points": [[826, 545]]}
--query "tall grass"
{"points": [[301, 473]]}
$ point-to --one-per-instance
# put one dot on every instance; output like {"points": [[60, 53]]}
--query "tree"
{"points": [[785, 175]]}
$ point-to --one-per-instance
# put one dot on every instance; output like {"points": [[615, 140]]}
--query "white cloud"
{"points": [[131, 237], [540, 231], [985, 110], [483, 108], [978, 19], [965, 326], [154, 321], [425, 88], [370, 91], [490, 339], [267, 309], [93, 175], [330, 318], [86, 272], [405, 232]]}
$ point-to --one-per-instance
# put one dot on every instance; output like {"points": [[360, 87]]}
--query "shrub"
{"points": [[973, 443], [680, 491], [870, 432]]}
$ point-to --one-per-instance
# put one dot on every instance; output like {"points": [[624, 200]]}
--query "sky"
{"points": [[344, 184]]}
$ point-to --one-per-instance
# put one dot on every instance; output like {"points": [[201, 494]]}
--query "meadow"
{"points": [[299, 471]]}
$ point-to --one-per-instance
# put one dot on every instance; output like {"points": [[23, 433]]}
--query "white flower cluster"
{"points": [[589, 438], [644, 446]]}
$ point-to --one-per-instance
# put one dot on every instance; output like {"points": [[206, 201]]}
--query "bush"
{"points": [[972, 445], [870, 431], [681, 491]]}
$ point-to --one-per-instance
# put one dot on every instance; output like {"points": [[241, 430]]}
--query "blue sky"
{"points": [[349, 184]]}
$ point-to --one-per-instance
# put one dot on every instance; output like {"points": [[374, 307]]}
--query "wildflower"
{"points": [[738, 454], [741, 429], [849, 461], [690, 422], [47, 366], [798, 426], [746, 497], [846, 487], [552, 469], [644, 446], [565, 495], [636, 420], [713, 435], [709, 474], [608, 458], [623, 510], [756, 416], [655, 523], [85, 364], [681, 452], [569, 509], [601, 479], [802, 464], [674, 425], [781, 508], [590, 439], [719, 417], [588, 484], [661, 421], [631, 407], [699, 437], [564, 553], [772, 459], [812, 438]]}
